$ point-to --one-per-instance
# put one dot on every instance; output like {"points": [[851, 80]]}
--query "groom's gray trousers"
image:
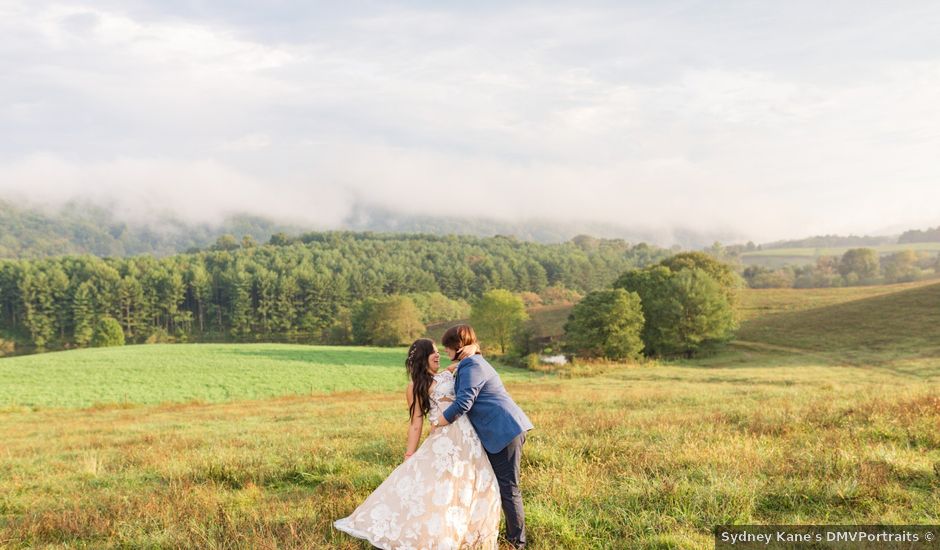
{"points": [[501, 424], [506, 467]]}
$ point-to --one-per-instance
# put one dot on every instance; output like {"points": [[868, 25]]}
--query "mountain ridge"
{"points": [[82, 228]]}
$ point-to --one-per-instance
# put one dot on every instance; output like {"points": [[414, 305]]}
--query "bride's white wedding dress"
{"points": [[444, 497]]}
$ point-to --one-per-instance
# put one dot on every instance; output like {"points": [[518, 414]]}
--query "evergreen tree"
{"points": [[83, 315], [199, 285], [265, 292], [240, 304], [704, 317], [285, 303], [130, 299]]}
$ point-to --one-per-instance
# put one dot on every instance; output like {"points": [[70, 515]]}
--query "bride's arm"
{"points": [[416, 424], [465, 395]]}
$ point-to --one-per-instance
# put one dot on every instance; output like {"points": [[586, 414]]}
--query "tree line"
{"points": [[682, 306], [931, 235], [307, 288], [831, 241], [857, 266]]}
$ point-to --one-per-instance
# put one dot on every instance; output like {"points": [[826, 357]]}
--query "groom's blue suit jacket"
{"points": [[480, 394]]}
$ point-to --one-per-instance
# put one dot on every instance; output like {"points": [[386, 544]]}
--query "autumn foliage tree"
{"points": [[387, 321]]}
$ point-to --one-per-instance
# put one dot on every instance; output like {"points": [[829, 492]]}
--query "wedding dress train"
{"points": [[444, 497]]}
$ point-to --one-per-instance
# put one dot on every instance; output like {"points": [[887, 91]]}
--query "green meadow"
{"points": [[825, 410], [205, 373], [777, 257]]}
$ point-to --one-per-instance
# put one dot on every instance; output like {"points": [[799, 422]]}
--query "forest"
{"points": [[304, 288]]}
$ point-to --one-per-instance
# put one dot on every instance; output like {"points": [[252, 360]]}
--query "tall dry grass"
{"points": [[640, 457]]}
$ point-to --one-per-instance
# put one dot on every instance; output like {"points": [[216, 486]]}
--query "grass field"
{"points": [[199, 372], [778, 257], [786, 426], [755, 303], [898, 329]]}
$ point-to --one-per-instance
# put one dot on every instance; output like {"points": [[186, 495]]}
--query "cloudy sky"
{"points": [[770, 119]]}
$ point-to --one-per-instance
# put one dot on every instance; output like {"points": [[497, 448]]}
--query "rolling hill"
{"points": [[872, 324], [902, 323]]}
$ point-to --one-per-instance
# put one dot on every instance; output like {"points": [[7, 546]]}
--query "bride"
{"points": [[444, 495]]}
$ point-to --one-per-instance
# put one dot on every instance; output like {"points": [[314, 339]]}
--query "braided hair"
{"points": [[417, 365]]}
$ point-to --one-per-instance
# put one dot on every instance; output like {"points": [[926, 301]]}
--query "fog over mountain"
{"points": [[79, 228], [673, 122]]}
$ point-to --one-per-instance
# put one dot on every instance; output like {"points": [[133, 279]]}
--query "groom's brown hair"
{"points": [[459, 336]]}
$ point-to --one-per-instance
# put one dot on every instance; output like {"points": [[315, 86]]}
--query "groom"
{"points": [[499, 422]]}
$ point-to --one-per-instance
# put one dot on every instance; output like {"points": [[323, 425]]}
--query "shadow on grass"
{"points": [[865, 330], [920, 366]]}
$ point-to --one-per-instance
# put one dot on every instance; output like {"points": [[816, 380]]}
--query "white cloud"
{"points": [[138, 190], [633, 114], [246, 143]]}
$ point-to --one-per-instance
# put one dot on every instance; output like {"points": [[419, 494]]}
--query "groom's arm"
{"points": [[470, 383]]}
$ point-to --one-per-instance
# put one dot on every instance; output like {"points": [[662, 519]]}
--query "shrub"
{"points": [[863, 262], [158, 336], [6, 347], [108, 332]]}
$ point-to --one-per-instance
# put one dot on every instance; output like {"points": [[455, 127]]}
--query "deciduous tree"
{"points": [[606, 323], [497, 317]]}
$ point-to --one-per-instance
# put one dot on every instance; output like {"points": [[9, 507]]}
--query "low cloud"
{"points": [[629, 115], [149, 190]]}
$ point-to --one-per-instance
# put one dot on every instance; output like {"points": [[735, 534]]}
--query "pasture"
{"points": [[204, 373], [778, 257], [799, 423]]}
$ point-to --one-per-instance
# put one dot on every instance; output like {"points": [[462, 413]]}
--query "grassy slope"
{"points": [[895, 326], [772, 315], [753, 302]]}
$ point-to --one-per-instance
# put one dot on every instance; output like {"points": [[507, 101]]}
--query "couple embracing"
{"points": [[447, 493]]}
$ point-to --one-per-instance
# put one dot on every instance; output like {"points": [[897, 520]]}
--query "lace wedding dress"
{"points": [[444, 497]]}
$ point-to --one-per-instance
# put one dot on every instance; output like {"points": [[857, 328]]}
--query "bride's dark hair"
{"points": [[417, 364]]}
